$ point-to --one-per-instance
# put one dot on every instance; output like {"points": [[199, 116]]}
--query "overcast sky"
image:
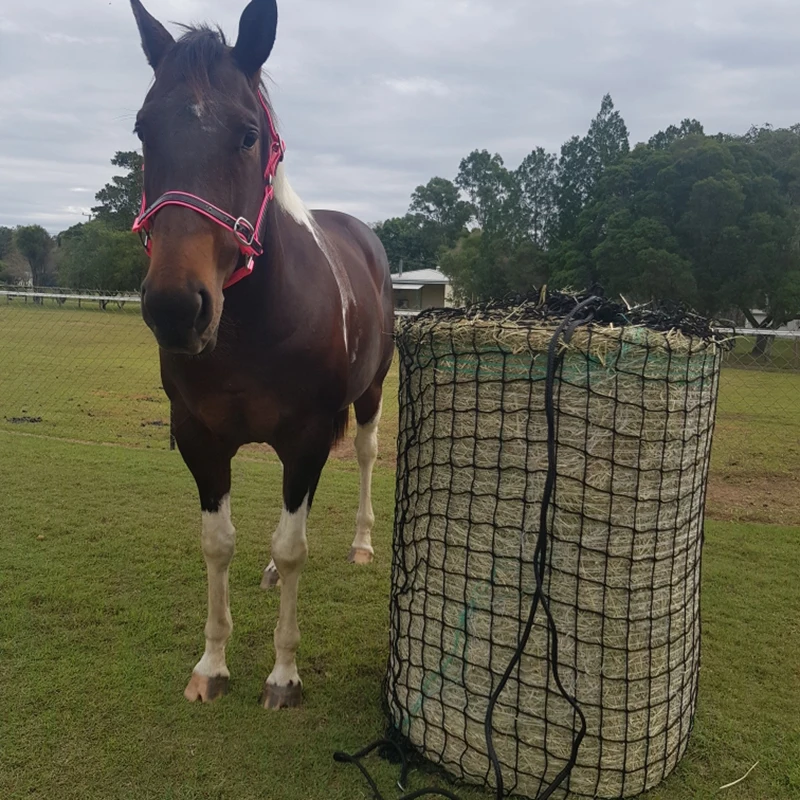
{"points": [[377, 96]]}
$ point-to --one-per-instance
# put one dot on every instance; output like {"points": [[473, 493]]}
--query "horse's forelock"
{"points": [[195, 54]]}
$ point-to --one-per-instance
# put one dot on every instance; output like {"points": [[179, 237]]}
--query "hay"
{"points": [[634, 416]]}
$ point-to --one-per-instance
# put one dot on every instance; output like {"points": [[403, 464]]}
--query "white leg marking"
{"points": [[290, 552], [367, 452], [218, 540]]}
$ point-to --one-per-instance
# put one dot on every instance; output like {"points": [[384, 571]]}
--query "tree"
{"points": [[713, 221], [491, 189], [6, 249], [641, 258], [583, 162], [536, 178], [6, 242], [663, 140], [575, 183], [96, 256], [35, 245], [463, 264], [703, 221], [121, 199], [405, 241], [607, 137], [482, 267], [442, 214]]}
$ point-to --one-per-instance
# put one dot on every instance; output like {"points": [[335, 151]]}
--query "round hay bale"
{"points": [[634, 416]]}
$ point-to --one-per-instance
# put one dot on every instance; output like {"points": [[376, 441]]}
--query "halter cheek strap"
{"points": [[248, 235]]}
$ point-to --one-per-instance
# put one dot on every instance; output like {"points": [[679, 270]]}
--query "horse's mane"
{"points": [[194, 56]]}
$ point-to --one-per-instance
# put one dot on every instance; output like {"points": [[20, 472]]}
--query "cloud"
{"points": [[417, 86], [375, 98]]}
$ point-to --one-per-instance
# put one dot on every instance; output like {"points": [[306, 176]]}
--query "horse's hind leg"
{"points": [[210, 464], [368, 415]]}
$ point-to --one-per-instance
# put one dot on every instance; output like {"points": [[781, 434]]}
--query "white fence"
{"points": [[60, 296]]}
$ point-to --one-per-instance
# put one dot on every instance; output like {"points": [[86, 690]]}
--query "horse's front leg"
{"points": [[209, 461], [303, 461]]}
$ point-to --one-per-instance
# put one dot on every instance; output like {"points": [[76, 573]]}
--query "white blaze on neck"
{"points": [[290, 202]]}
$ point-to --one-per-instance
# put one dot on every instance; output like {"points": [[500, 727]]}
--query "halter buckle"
{"points": [[144, 236], [244, 232]]}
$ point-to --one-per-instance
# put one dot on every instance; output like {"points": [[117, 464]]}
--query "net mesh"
{"points": [[634, 395]]}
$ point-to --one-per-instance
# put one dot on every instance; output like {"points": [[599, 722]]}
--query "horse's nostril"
{"points": [[204, 312]]}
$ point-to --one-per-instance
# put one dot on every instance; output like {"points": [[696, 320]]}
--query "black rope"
{"points": [[565, 329], [540, 556], [355, 758]]}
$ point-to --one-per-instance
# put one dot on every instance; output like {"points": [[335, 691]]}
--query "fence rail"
{"points": [[61, 296]]}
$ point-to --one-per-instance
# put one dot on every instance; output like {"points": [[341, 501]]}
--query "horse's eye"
{"points": [[138, 131], [250, 139]]}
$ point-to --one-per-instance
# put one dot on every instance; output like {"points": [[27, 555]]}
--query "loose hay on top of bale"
{"points": [[634, 399]]}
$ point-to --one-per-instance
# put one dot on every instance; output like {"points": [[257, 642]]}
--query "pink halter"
{"points": [[247, 234]]}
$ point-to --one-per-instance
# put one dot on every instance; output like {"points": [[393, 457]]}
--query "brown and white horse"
{"points": [[271, 320]]}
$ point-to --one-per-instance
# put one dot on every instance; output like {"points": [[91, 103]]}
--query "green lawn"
{"points": [[86, 374], [758, 421], [103, 591], [103, 622], [780, 354]]}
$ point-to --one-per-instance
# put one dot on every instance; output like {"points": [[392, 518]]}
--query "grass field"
{"points": [[81, 374], [102, 586]]}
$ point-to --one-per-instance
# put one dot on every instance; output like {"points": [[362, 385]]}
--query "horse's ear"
{"points": [[156, 39], [257, 28]]}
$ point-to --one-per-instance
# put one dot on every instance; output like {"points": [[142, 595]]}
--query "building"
{"points": [[419, 289], [760, 316]]}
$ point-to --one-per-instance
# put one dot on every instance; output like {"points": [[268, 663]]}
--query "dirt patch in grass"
{"points": [[772, 498], [733, 496], [345, 450]]}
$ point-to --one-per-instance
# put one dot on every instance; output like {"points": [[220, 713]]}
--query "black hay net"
{"points": [[545, 600]]}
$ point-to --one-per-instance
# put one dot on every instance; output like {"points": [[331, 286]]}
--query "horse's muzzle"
{"points": [[179, 318]]}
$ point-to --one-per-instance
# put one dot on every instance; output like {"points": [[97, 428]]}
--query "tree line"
{"points": [[100, 254], [709, 220]]}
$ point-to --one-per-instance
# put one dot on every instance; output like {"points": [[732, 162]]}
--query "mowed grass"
{"points": [[81, 373], [93, 375], [103, 616], [103, 621]]}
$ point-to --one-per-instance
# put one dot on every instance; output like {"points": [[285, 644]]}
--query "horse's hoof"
{"points": [[270, 579], [282, 696], [206, 689], [359, 556]]}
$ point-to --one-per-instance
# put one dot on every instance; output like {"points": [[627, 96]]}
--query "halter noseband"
{"points": [[247, 234]]}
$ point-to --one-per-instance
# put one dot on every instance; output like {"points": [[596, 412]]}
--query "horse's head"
{"points": [[207, 143]]}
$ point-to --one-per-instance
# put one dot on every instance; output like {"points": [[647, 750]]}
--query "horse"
{"points": [[271, 319]]}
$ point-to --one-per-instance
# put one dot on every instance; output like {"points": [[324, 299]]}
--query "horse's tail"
{"points": [[340, 425]]}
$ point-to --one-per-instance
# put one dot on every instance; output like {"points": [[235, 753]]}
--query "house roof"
{"points": [[421, 276]]}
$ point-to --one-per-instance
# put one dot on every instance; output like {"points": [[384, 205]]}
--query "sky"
{"points": [[375, 97]]}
